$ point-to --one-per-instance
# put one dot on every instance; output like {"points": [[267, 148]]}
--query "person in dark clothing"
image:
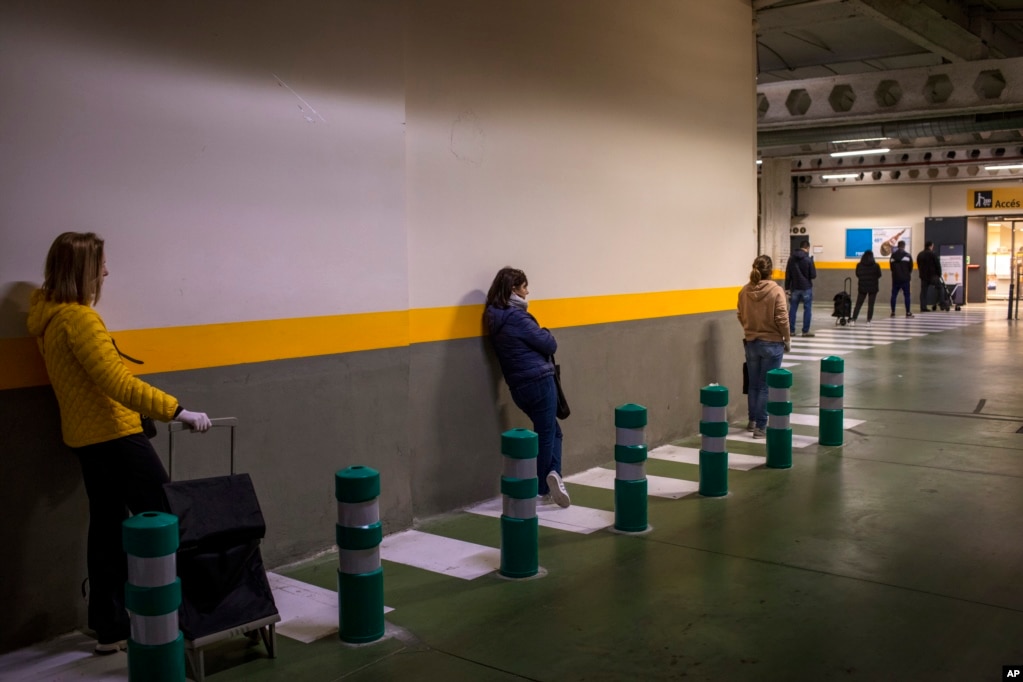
{"points": [[901, 265], [929, 269], [868, 279], [799, 275], [524, 351]]}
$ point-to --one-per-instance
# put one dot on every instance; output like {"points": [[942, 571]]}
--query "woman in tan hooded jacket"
{"points": [[764, 316]]}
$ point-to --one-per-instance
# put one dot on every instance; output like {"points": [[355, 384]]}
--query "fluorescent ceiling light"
{"points": [[759, 161], [865, 139], [1008, 167], [861, 152], [840, 176]]}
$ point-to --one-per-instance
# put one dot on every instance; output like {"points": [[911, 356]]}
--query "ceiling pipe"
{"points": [[953, 125]]}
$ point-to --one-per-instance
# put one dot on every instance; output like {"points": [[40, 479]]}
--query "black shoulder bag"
{"points": [[563, 409]]}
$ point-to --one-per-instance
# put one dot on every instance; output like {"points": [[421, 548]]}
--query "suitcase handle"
{"points": [[229, 422]]}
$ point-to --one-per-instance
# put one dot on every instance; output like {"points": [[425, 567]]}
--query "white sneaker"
{"points": [[558, 492], [112, 648], [852, 323], [543, 499]]}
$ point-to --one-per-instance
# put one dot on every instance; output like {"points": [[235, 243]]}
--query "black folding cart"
{"points": [[225, 592], [843, 304]]}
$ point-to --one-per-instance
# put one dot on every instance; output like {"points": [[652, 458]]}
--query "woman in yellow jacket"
{"points": [[100, 402]]}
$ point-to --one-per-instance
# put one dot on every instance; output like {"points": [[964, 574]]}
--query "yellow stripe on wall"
{"points": [[235, 343], [837, 265]]}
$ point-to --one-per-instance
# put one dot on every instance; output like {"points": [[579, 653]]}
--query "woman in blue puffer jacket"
{"points": [[524, 350]]}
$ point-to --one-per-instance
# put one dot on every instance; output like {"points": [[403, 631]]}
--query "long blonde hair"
{"points": [[74, 268], [763, 267]]}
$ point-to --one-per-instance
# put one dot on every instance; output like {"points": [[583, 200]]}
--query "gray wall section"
{"points": [[428, 418], [44, 512], [300, 421], [461, 404]]}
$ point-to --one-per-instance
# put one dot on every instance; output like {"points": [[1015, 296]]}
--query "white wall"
{"points": [[243, 161], [576, 141]]}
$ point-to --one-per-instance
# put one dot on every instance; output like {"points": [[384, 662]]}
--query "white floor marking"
{"points": [[675, 453], [798, 440], [797, 356], [657, 486], [575, 519], [814, 420], [66, 658], [308, 612], [828, 350], [868, 334], [465, 560], [850, 344]]}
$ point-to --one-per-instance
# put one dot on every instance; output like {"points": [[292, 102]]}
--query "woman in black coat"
{"points": [[868, 276]]}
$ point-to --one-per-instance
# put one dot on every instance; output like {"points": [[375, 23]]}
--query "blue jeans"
{"points": [[761, 358], [806, 296], [539, 400], [904, 288]]}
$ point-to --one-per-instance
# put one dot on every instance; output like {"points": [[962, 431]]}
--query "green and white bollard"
{"points": [[156, 649], [832, 397], [360, 578], [779, 420], [714, 430], [520, 543], [630, 469]]}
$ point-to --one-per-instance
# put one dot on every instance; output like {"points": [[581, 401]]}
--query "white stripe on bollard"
{"points": [[359, 561], [151, 571], [630, 437], [519, 468], [630, 471], [358, 514]]}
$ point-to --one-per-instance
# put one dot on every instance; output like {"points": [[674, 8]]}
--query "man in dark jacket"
{"points": [[901, 264], [929, 269], [799, 276]]}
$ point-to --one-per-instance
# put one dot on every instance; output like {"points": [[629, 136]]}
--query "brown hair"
{"points": [[501, 289], [74, 268], [763, 267]]}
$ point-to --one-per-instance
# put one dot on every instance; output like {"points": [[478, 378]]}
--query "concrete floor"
{"points": [[898, 556]]}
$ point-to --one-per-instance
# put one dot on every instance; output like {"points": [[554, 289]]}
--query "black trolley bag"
{"points": [[224, 589], [843, 303]]}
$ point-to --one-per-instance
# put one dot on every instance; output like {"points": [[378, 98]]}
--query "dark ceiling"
{"points": [[941, 81]]}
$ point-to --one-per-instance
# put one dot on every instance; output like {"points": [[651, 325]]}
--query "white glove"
{"points": [[197, 421], [788, 346]]}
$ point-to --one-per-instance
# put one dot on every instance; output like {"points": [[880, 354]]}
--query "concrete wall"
{"points": [[303, 205]]}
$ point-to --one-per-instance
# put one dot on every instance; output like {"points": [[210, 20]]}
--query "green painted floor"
{"points": [[898, 556]]}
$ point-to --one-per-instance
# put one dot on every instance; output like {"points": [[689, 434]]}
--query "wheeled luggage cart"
{"points": [[951, 291], [843, 304], [224, 589]]}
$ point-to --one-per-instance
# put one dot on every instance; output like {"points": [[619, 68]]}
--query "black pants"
{"points": [[120, 475], [871, 297]]}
